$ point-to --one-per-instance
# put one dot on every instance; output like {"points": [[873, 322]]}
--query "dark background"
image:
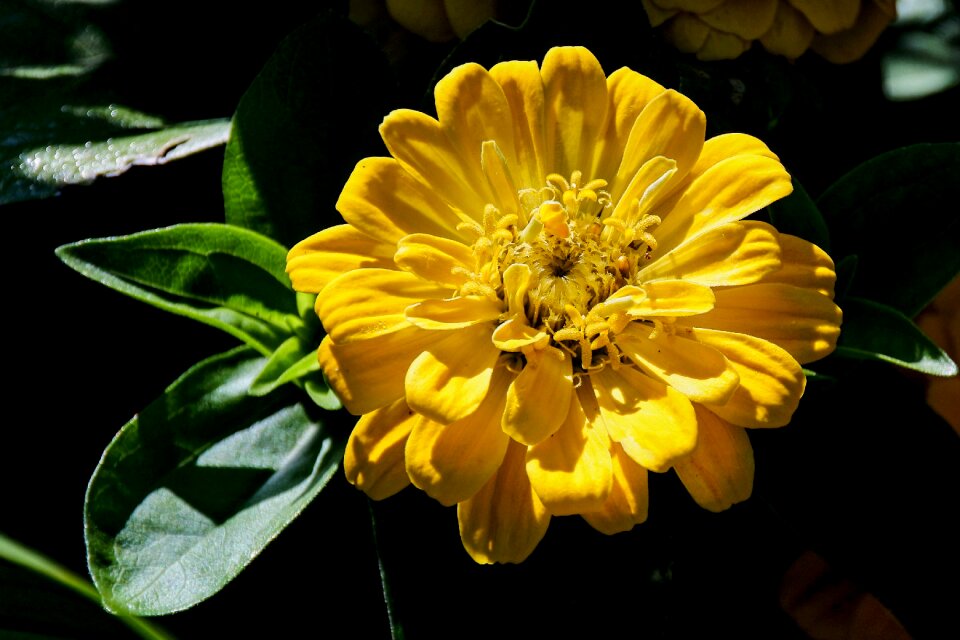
{"points": [[865, 476]]}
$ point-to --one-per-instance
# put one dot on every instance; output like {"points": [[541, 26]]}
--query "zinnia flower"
{"points": [[840, 31], [550, 290]]}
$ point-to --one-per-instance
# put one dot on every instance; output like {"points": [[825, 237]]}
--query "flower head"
{"points": [[840, 31], [550, 290]]}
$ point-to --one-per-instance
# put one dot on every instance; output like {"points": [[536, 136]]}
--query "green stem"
{"points": [[29, 559]]}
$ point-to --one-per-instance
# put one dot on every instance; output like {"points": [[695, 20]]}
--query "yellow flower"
{"points": [[839, 30], [550, 291], [432, 20]]}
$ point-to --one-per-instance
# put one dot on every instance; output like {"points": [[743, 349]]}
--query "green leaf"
{"points": [[60, 604], [300, 128], [874, 331], [195, 486], [291, 361], [798, 215], [221, 275], [897, 213], [40, 171]]}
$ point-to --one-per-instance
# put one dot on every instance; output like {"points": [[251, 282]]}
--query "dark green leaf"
{"points": [[875, 331], [300, 128], [291, 361], [797, 214], [197, 484], [897, 213], [846, 272], [42, 170], [221, 275], [40, 598]]}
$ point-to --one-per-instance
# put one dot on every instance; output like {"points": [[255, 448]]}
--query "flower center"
{"points": [[579, 250]]}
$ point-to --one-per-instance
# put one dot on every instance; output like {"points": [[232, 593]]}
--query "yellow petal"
{"points": [[670, 126], [722, 46], [654, 423], [575, 107], [724, 255], [748, 19], [629, 92], [421, 146], [628, 501], [446, 262], [571, 470], [523, 89], [693, 6], [515, 334], [851, 44], [453, 313], [805, 323], [497, 172], [384, 201], [687, 32], [719, 472], [505, 520], [644, 188], [697, 371], [670, 298], [538, 400], [315, 261], [472, 108], [448, 381], [467, 15], [373, 459], [366, 303], [656, 14], [804, 264], [369, 374], [790, 34], [829, 16], [452, 462], [426, 18], [771, 381], [728, 191]]}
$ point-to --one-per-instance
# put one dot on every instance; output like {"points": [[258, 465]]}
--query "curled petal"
{"points": [[571, 469], [505, 520], [829, 16], [628, 501], [448, 381], [697, 371], [445, 262], [453, 313], [452, 462], [539, 399], [771, 381], [373, 459], [516, 334], [315, 261], [719, 472], [728, 191], [654, 423]]}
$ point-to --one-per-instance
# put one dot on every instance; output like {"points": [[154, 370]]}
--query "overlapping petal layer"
{"points": [[839, 30], [550, 290]]}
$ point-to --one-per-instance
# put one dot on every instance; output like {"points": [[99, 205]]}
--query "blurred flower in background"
{"points": [[840, 31]]}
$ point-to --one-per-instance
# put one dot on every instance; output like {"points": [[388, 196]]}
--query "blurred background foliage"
{"points": [[855, 497]]}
